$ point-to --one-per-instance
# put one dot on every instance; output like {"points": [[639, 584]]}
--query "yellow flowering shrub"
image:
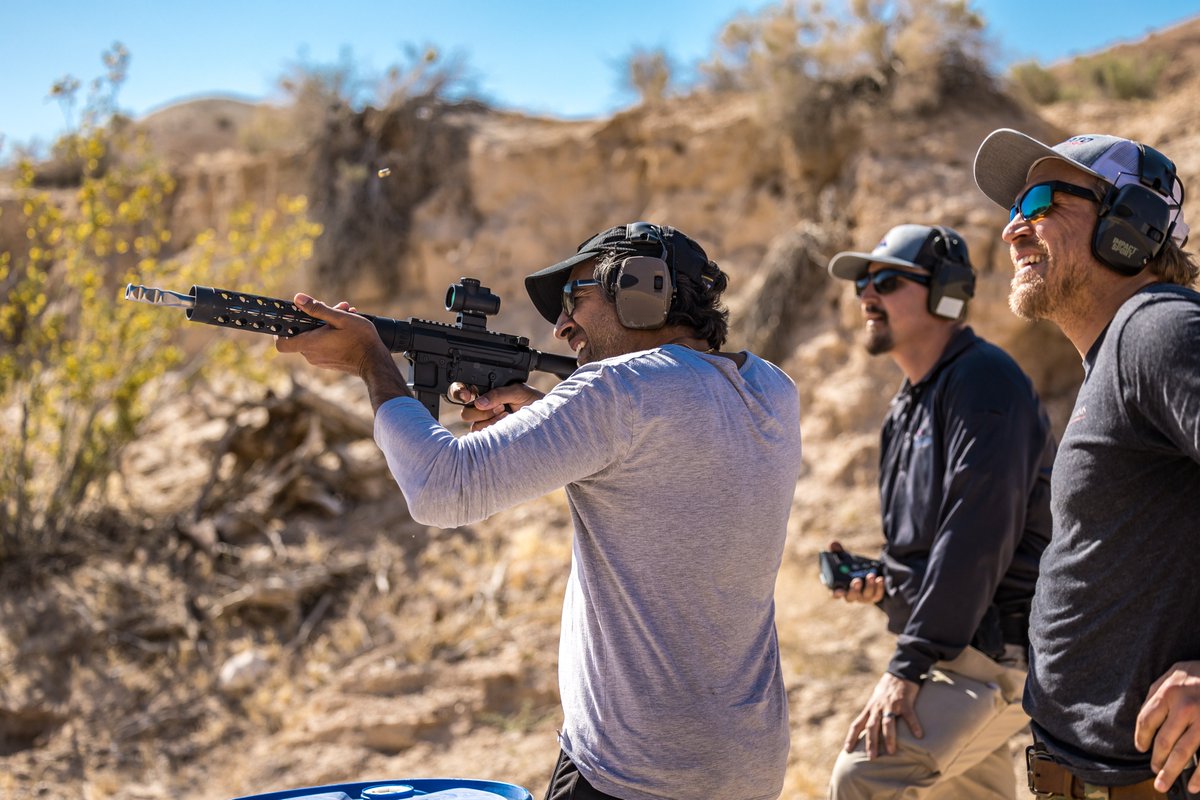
{"points": [[78, 363]]}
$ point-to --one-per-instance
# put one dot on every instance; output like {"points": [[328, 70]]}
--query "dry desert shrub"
{"points": [[79, 366], [824, 72]]}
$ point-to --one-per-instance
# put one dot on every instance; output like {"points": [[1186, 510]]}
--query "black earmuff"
{"points": [[645, 285], [1135, 219], [952, 281]]}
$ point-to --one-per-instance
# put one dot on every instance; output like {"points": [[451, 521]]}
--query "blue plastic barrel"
{"points": [[429, 788]]}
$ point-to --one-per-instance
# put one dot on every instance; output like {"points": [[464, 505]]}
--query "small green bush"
{"points": [[1123, 77], [1037, 83]]}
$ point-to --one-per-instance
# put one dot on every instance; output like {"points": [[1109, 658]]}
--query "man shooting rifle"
{"points": [[679, 463]]}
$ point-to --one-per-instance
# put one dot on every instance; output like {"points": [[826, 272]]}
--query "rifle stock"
{"points": [[438, 353]]}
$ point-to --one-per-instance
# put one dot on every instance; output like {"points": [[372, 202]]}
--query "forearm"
{"points": [[957, 588], [347, 343], [449, 481], [970, 555], [383, 379], [911, 662], [980, 524]]}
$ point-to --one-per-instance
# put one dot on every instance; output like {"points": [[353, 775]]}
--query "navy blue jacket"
{"points": [[965, 495]]}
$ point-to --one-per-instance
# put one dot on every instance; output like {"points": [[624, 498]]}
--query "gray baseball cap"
{"points": [[905, 246], [1006, 156]]}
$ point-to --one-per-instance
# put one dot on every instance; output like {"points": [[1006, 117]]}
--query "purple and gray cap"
{"points": [[1006, 156]]}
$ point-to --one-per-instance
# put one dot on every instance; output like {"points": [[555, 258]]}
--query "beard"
{"points": [[1028, 296], [602, 343], [1047, 295], [879, 338], [1033, 297]]}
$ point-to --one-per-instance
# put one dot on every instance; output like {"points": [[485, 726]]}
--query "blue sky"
{"points": [[556, 58]]}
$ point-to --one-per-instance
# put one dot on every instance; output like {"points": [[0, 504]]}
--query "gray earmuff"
{"points": [[645, 285]]}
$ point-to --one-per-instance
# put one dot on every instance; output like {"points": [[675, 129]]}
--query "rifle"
{"points": [[438, 353]]}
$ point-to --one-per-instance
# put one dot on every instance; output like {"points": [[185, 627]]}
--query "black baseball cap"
{"points": [[682, 254]]}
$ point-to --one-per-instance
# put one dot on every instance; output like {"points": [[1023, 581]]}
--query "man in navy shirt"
{"points": [[964, 490]]}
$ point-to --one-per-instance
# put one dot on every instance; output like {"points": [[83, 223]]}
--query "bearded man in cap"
{"points": [[679, 462], [964, 490], [1095, 234]]}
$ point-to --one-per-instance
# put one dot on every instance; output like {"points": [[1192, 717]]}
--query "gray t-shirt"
{"points": [[679, 469], [1119, 589]]}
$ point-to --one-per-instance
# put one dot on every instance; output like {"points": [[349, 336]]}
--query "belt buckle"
{"points": [[1034, 754]]}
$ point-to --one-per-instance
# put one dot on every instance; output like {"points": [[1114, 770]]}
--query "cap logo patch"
{"points": [[1079, 140]]}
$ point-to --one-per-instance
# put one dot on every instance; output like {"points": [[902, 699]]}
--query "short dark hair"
{"points": [[697, 304]]}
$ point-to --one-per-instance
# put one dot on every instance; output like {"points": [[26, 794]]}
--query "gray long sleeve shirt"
{"points": [[679, 469]]}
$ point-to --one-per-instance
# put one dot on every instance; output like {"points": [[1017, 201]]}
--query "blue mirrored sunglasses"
{"points": [[887, 281], [568, 293], [1035, 202]]}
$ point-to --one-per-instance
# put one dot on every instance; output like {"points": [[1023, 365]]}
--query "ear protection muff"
{"points": [[645, 285], [1135, 219], [952, 281]]}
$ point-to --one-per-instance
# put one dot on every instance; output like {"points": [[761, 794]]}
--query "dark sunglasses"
{"points": [[568, 293], [887, 281], [1034, 203]]}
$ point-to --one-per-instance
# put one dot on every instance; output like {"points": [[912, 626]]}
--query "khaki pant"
{"points": [[969, 708]]}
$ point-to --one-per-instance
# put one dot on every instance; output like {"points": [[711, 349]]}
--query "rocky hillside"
{"points": [[255, 610]]}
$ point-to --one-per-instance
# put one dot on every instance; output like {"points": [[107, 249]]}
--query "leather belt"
{"points": [[1048, 777]]}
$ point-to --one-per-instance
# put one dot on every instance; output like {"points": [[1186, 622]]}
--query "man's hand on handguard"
{"points": [[491, 407], [1170, 721], [869, 590], [347, 343], [891, 702]]}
